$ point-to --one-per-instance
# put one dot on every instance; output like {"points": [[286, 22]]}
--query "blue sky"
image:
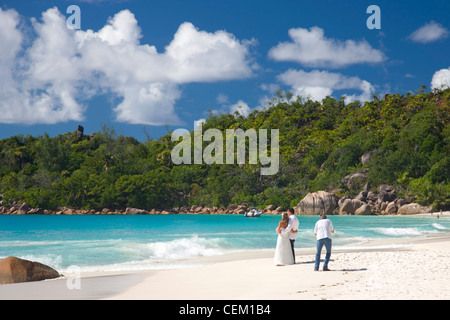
{"points": [[144, 67]]}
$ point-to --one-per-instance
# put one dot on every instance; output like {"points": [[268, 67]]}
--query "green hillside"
{"points": [[320, 144]]}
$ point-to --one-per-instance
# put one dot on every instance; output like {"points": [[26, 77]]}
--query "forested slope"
{"points": [[408, 137]]}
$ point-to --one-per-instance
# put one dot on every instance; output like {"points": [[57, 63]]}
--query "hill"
{"points": [[399, 140]]}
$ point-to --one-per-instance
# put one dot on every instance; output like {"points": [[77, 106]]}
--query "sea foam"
{"points": [[399, 231], [185, 248], [439, 226]]}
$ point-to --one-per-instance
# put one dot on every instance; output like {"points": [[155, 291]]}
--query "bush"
{"points": [[427, 193]]}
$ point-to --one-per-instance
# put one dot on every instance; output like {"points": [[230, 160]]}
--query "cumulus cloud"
{"points": [[199, 56], [317, 85], [199, 122], [51, 80], [441, 79], [10, 36], [311, 48], [241, 108], [430, 32], [154, 102], [225, 106], [26, 95]]}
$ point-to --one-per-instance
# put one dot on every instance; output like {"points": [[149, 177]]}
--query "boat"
{"points": [[252, 213]]}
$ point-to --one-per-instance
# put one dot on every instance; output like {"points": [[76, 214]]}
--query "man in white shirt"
{"points": [[292, 228], [323, 231]]}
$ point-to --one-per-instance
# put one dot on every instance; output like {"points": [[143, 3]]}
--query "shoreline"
{"points": [[25, 209], [384, 269], [76, 212], [398, 273]]}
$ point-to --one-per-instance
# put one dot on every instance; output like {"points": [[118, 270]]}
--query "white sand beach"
{"points": [[420, 271]]}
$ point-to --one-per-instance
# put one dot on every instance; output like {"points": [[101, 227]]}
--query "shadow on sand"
{"points": [[331, 260]]}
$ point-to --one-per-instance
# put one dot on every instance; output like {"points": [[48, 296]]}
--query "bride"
{"points": [[283, 251]]}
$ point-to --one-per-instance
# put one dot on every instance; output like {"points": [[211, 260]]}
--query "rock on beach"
{"points": [[15, 270], [413, 208]]}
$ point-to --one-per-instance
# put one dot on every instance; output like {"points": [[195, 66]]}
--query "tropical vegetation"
{"points": [[320, 143]]}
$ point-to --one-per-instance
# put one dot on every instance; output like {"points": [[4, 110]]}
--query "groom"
{"points": [[292, 228]]}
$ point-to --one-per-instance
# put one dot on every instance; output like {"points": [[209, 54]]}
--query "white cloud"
{"points": [[26, 94], [63, 68], [241, 108], [10, 36], [222, 98], [199, 56], [311, 48], [441, 79], [122, 29], [429, 32], [199, 122], [154, 103], [367, 92], [226, 107], [10, 41], [317, 85]]}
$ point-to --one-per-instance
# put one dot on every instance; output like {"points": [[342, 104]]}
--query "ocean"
{"points": [[110, 243]]}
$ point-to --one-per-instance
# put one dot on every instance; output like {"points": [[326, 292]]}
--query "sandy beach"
{"points": [[398, 269], [417, 271]]}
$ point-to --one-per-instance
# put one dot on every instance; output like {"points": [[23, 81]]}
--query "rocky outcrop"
{"points": [[365, 158], [363, 210], [383, 200], [391, 208], [25, 207], [386, 193], [349, 206], [80, 133], [133, 211], [317, 203], [413, 208], [196, 209], [355, 179], [15, 270]]}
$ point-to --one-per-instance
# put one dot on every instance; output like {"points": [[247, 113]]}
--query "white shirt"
{"points": [[292, 225], [323, 229]]}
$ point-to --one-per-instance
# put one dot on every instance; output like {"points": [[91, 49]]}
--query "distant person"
{"points": [[323, 231], [283, 253], [292, 228]]}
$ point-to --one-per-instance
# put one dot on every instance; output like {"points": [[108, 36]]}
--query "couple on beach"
{"points": [[287, 234]]}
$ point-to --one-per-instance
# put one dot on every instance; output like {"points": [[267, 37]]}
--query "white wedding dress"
{"points": [[283, 251]]}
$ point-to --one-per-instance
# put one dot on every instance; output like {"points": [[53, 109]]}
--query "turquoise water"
{"points": [[120, 243]]}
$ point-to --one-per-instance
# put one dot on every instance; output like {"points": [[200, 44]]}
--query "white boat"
{"points": [[252, 213]]}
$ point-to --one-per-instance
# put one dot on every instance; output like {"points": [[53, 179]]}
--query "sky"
{"points": [[146, 67]]}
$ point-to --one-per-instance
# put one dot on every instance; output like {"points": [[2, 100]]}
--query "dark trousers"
{"points": [[292, 247]]}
